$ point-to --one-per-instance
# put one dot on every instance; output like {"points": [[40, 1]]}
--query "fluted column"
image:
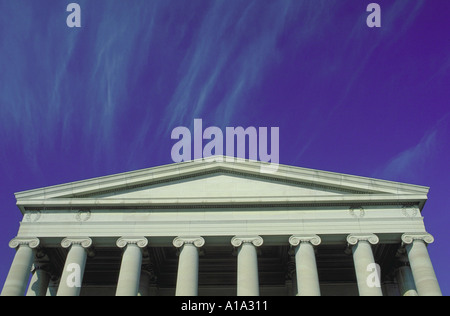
{"points": [[19, 273], [248, 278], [364, 263], [421, 266], [130, 269], [187, 277], [72, 275], [305, 262]]}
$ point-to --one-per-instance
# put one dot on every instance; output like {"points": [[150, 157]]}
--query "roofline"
{"points": [[356, 200], [173, 171]]}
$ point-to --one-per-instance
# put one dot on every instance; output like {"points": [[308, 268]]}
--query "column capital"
{"points": [[237, 241], [84, 242], [353, 239], [196, 241], [409, 238], [33, 243], [296, 240], [141, 242]]}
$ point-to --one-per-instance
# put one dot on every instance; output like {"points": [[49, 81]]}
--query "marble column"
{"points": [[188, 262], [365, 263], [248, 277], [72, 275], [40, 280], [305, 262], [130, 269], [421, 266], [19, 273]]}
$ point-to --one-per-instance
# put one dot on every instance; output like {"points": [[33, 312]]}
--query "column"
{"points": [[130, 269], [421, 266], [305, 262], [40, 279], [72, 275], [248, 278], [365, 265], [187, 277], [19, 273]]}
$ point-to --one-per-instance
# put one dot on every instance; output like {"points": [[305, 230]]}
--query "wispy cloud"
{"points": [[410, 163], [357, 51], [235, 44], [60, 85], [117, 51], [31, 72]]}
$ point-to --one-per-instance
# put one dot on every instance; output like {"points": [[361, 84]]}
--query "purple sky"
{"points": [[103, 99]]}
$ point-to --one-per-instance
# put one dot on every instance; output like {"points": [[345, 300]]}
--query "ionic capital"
{"points": [[353, 239], [237, 241], [33, 243], [296, 240], [408, 239], [141, 242], [196, 241], [84, 242]]}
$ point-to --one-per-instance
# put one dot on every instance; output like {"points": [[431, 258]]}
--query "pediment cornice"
{"points": [[352, 187]]}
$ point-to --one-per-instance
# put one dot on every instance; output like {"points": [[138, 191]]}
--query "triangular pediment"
{"points": [[205, 181], [224, 184]]}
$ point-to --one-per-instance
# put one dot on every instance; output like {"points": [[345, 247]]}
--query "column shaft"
{"points": [[72, 275], [19, 273], [187, 278], [305, 264], [130, 271], [422, 269], [248, 277], [364, 263], [188, 265], [363, 259]]}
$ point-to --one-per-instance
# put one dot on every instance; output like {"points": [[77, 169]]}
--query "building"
{"points": [[223, 228]]}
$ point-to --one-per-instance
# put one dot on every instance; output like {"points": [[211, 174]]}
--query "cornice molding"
{"points": [[295, 175], [221, 202]]}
